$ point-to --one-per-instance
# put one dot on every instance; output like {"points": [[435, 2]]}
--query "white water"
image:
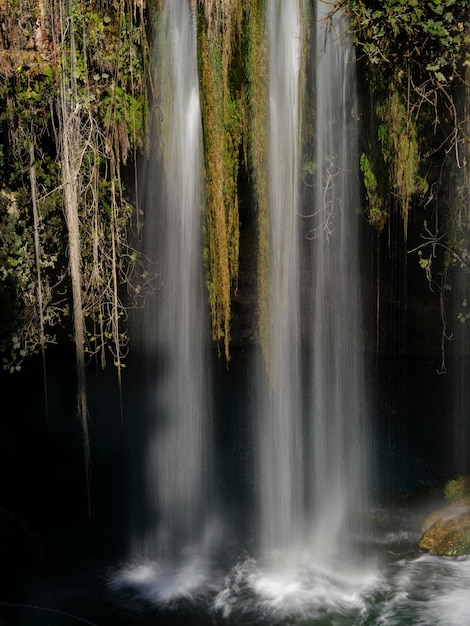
{"points": [[310, 452], [312, 443], [407, 589], [279, 430], [337, 403], [422, 590], [178, 430]]}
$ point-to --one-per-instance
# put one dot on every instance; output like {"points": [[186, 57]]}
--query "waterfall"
{"points": [[311, 437], [175, 334], [279, 432], [336, 391], [309, 420]]}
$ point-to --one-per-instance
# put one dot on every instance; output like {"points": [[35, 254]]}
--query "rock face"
{"points": [[447, 531]]}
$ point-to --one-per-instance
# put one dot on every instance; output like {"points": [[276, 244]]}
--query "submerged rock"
{"points": [[447, 531]]}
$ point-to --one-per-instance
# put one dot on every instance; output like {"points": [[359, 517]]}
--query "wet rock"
{"points": [[447, 531]]}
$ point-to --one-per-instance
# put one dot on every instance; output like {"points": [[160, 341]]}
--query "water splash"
{"points": [[165, 585], [418, 589], [253, 594]]}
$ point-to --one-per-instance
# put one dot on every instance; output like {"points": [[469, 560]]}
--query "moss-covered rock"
{"points": [[458, 490], [447, 531]]}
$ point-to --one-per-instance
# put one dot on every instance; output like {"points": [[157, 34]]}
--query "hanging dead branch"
{"points": [[72, 149]]}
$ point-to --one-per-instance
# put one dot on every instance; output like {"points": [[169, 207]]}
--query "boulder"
{"points": [[447, 531]]}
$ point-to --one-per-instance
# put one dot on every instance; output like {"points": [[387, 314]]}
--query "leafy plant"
{"points": [[415, 53], [72, 110]]}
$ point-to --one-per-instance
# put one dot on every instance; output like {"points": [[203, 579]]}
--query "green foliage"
{"points": [[413, 57], [108, 75], [377, 211], [399, 146], [21, 334], [27, 94], [458, 490], [400, 34], [415, 53], [111, 71], [464, 315]]}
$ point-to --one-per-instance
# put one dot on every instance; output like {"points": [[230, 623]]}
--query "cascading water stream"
{"points": [[280, 416], [337, 404], [175, 336], [311, 437]]}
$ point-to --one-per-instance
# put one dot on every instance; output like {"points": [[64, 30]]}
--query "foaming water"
{"points": [[297, 592], [402, 587], [419, 590], [166, 585], [427, 590]]}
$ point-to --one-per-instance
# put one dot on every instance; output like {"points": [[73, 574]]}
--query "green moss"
{"points": [[414, 56], [223, 110], [399, 145], [377, 211], [458, 490]]}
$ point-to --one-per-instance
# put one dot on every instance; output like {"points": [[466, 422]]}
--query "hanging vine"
{"points": [[73, 107], [415, 57], [414, 54]]}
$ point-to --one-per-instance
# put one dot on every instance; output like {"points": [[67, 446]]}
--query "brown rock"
{"points": [[447, 531]]}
